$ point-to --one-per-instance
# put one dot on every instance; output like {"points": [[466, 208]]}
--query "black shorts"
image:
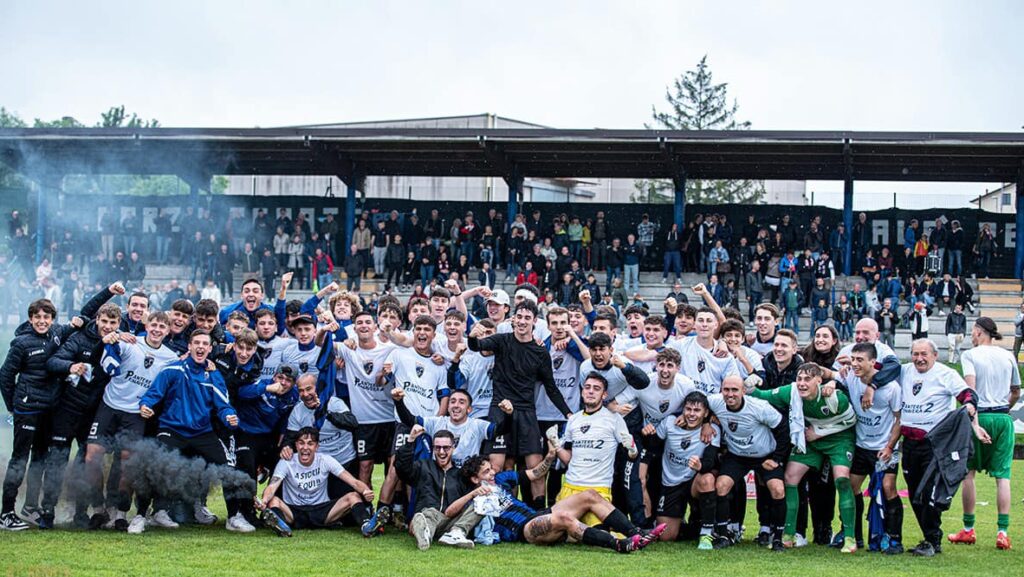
{"points": [[674, 500], [68, 426], [401, 437], [111, 427], [374, 442], [518, 434], [736, 467], [864, 461], [520, 537], [311, 516], [207, 446]]}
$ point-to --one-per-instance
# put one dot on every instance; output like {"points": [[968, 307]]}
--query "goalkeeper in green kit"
{"points": [[821, 425]]}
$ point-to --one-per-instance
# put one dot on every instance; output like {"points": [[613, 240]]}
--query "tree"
{"points": [[697, 103], [116, 117]]}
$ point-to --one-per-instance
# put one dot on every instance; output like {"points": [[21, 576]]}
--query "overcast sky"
{"points": [[893, 65]]}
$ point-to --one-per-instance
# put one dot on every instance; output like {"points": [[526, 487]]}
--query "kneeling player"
{"points": [[686, 469], [515, 521], [303, 483]]}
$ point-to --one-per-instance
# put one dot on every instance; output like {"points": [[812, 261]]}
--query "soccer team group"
{"points": [[502, 428]]}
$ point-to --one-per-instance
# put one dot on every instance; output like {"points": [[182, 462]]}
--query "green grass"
{"points": [[214, 551]]}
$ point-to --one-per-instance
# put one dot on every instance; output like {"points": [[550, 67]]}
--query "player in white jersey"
{"points": [[766, 323], [270, 344], [425, 388], [470, 433], [748, 361], [662, 398], [303, 481], [993, 374], [757, 438], [878, 434], [634, 335], [620, 374], [471, 371], [866, 331], [567, 351], [132, 368], [687, 468], [592, 437], [333, 419], [703, 360], [930, 392], [370, 402], [654, 340], [312, 350], [446, 342]]}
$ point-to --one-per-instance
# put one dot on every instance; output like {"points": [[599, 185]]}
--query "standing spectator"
{"points": [[354, 265], [690, 247], [632, 253], [718, 258], [297, 260], [323, 269], [819, 316], [939, 240], [956, 330], [281, 241], [788, 232], [283, 222], [751, 230], [119, 267], [672, 258], [791, 301], [921, 249], [268, 269], [410, 267], [645, 236], [329, 231], [842, 316], [918, 320], [129, 232], [381, 242], [887, 319], [486, 276], [741, 257], [164, 228], [250, 261], [224, 270], [837, 246], [599, 236], [861, 239], [469, 232], [394, 261], [108, 226], [240, 231], [984, 247], [814, 241], [434, 227], [362, 237], [487, 245], [262, 231], [805, 269], [910, 235], [754, 284], [824, 270], [136, 270], [575, 232], [412, 232], [955, 246], [516, 248], [428, 260]]}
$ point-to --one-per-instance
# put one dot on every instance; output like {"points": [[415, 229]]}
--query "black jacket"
{"points": [[235, 375], [952, 442], [26, 385], [80, 395], [434, 488]]}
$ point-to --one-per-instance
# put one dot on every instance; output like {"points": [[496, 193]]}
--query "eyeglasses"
{"points": [[443, 448]]}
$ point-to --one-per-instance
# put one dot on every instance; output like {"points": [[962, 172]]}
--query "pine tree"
{"points": [[697, 103]]}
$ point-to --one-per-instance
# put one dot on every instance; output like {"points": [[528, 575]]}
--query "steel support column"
{"points": [[848, 225], [515, 190]]}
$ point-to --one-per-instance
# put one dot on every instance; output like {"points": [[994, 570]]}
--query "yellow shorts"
{"points": [[568, 490]]}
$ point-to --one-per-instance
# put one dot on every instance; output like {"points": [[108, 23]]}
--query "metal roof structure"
{"points": [[355, 152]]}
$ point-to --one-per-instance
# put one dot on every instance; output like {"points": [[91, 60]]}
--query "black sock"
{"points": [[707, 510], [279, 514], [538, 503], [599, 538], [778, 517], [382, 505], [618, 521], [894, 519], [361, 512], [722, 514]]}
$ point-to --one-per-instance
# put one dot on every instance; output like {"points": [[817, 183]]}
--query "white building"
{"points": [[491, 189], [1001, 200]]}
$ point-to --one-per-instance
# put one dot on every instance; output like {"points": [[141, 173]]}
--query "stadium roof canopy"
{"points": [[351, 153]]}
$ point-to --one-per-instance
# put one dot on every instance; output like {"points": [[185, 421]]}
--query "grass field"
{"points": [[214, 551]]}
